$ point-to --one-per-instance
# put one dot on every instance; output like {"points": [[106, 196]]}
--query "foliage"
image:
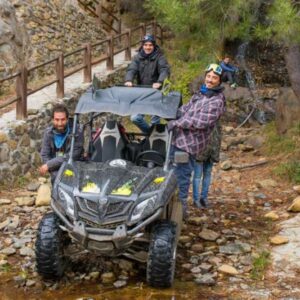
{"points": [[289, 170], [210, 23], [282, 23], [205, 23], [278, 144], [260, 264], [287, 145]]}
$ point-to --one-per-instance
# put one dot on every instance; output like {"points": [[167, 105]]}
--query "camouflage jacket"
{"points": [[212, 151]]}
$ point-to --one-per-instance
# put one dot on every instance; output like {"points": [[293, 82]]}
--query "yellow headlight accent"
{"points": [[68, 172], [159, 180], [122, 191]]}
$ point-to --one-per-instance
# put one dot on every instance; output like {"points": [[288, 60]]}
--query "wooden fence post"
{"points": [[143, 30], [154, 29], [99, 13], [60, 87], [87, 60], [128, 45], [21, 89], [110, 54]]}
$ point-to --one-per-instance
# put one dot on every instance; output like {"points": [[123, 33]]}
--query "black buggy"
{"points": [[123, 199]]}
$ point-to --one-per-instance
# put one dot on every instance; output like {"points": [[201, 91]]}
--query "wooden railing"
{"points": [[97, 10], [131, 38]]}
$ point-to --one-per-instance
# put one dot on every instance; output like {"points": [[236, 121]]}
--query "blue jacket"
{"points": [[228, 67]]}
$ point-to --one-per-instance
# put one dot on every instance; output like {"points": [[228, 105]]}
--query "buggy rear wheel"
{"points": [[49, 248], [162, 254]]}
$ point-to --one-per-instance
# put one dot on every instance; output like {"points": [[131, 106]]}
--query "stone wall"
{"points": [[48, 28], [20, 142]]}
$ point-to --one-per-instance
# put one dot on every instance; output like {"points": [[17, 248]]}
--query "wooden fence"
{"points": [[21, 77]]}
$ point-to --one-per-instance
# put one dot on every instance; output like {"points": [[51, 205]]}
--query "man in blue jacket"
{"points": [[57, 141], [229, 72]]}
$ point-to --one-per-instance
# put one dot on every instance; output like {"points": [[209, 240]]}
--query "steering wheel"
{"points": [[152, 158]]}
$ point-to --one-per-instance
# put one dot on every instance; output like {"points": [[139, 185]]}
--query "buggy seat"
{"points": [[109, 144]]}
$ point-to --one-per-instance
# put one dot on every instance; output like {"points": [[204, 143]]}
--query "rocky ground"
{"points": [[244, 246]]}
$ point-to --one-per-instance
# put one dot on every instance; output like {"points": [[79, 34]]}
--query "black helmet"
{"points": [[148, 38]]}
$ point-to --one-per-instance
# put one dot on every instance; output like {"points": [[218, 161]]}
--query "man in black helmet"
{"points": [[148, 67]]}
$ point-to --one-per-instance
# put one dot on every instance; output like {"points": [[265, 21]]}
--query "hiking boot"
{"points": [[197, 204], [204, 203]]}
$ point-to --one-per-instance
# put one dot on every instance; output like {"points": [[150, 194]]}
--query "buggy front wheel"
{"points": [[162, 254], [49, 248]]}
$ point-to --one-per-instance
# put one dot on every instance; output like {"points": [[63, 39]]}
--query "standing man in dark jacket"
{"points": [[57, 142], [194, 126], [149, 67]]}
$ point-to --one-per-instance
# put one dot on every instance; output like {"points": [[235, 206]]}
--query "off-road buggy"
{"points": [[122, 200]]}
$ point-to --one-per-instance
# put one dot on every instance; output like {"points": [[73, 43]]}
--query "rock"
{"points": [[260, 196], [30, 282], [42, 179], [44, 195], [4, 201], [3, 262], [295, 207], [196, 270], [279, 240], [296, 188], [267, 183], [209, 235], [108, 277], [24, 201], [272, 216], [8, 251], [26, 251], [119, 283], [227, 269], [125, 265], [235, 248], [94, 275], [187, 266], [33, 186], [197, 220], [197, 247], [256, 141], [226, 165], [245, 147], [20, 280], [183, 239], [10, 223], [206, 279], [205, 267]]}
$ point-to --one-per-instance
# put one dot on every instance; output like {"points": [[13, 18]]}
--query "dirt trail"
{"points": [[222, 254]]}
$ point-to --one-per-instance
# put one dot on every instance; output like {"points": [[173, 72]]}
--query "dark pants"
{"points": [[228, 76], [183, 172]]}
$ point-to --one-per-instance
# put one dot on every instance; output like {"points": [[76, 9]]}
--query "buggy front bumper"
{"points": [[103, 239]]}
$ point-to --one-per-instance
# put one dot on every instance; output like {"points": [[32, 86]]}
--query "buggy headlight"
{"points": [[67, 201], [144, 209]]}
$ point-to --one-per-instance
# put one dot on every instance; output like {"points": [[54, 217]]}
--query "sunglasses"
{"points": [[214, 67]]}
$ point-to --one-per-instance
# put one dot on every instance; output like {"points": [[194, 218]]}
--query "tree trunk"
{"points": [[292, 59]]}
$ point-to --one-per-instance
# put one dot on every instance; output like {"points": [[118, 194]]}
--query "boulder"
{"points": [[279, 240], [44, 195], [227, 269], [295, 207]]}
